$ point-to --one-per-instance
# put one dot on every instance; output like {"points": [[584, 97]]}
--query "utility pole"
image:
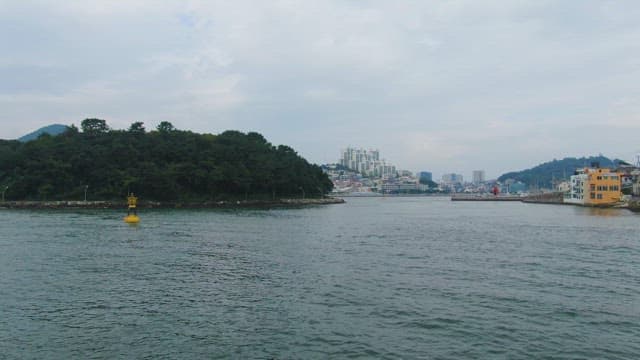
{"points": [[85, 192], [3, 191]]}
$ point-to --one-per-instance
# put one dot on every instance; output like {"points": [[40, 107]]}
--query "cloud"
{"points": [[443, 86]]}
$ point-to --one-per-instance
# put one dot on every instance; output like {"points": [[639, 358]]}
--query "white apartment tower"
{"points": [[366, 162], [478, 177]]}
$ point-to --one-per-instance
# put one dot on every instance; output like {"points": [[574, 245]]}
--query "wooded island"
{"points": [[165, 164]]}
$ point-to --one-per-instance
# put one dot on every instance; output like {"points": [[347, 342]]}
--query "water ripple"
{"points": [[376, 278]]}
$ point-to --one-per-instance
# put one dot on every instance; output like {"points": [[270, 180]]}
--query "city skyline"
{"points": [[440, 86]]}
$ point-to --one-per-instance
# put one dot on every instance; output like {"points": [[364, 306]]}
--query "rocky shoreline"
{"points": [[278, 203], [634, 205]]}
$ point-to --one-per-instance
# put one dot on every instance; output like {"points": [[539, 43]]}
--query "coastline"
{"points": [[278, 203], [634, 205], [554, 198]]}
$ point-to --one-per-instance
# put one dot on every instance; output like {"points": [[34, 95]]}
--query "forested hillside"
{"points": [[165, 164], [543, 175]]}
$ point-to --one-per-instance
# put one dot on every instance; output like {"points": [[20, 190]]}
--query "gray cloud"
{"points": [[443, 86]]}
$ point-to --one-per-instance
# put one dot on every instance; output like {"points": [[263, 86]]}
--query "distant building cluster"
{"points": [[366, 162], [363, 172], [450, 179]]}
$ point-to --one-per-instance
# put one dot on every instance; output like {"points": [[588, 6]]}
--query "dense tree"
{"points": [[165, 127], [94, 126], [168, 165], [137, 127]]}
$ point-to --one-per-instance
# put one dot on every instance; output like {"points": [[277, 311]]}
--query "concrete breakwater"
{"points": [[546, 198], [484, 197], [170, 205]]}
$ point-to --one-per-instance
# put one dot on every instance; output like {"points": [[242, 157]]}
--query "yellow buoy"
{"points": [[132, 216], [132, 219]]}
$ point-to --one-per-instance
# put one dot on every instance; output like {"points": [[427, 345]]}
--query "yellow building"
{"points": [[595, 186]]}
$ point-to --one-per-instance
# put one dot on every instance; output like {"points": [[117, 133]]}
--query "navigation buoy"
{"points": [[132, 214]]}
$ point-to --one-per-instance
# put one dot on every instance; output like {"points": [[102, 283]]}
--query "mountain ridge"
{"points": [[53, 130]]}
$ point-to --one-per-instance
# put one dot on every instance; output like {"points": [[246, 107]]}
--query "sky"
{"points": [[441, 86]]}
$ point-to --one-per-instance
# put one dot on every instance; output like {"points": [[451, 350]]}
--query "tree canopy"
{"points": [[165, 165], [94, 126]]}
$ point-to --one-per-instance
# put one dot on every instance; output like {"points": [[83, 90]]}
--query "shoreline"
{"points": [[265, 204]]}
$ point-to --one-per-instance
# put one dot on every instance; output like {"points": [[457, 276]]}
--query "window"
{"points": [[599, 196], [593, 195], [593, 187]]}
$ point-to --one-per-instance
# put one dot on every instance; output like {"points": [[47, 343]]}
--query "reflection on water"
{"points": [[606, 212]]}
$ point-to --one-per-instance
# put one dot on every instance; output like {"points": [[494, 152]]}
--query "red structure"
{"points": [[495, 191]]}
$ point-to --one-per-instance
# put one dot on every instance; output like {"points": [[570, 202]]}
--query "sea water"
{"points": [[384, 278]]}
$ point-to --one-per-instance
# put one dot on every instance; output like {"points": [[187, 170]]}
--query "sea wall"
{"points": [[484, 197], [545, 198]]}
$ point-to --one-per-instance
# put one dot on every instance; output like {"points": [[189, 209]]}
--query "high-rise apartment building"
{"points": [[366, 162], [478, 177]]}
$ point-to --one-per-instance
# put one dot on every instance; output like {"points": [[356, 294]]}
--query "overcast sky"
{"points": [[444, 86]]}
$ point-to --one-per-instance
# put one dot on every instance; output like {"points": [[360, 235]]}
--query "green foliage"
{"points": [[165, 127], [137, 127], [544, 174], [94, 126], [164, 165]]}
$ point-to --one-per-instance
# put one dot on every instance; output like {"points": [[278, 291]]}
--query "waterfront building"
{"points": [[403, 187], [594, 186], [563, 187], [478, 177]]}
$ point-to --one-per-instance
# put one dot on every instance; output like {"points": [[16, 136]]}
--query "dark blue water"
{"points": [[374, 278]]}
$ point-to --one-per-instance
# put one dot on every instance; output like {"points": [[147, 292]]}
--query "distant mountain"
{"points": [[543, 175], [52, 130]]}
